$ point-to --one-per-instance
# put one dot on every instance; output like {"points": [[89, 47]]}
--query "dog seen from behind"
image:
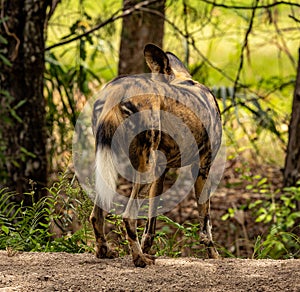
{"points": [[160, 121]]}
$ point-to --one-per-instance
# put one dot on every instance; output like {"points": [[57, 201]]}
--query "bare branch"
{"points": [[245, 44], [53, 7], [294, 18], [259, 96], [115, 16], [190, 41], [251, 7]]}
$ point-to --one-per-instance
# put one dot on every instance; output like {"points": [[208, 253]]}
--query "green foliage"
{"points": [[3, 41], [61, 87], [24, 227], [8, 117], [48, 225], [277, 209], [173, 239], [208, 38], [280, 211], [117, 235], [71, 76], [70, 200], [30, 228], [4, 104]]}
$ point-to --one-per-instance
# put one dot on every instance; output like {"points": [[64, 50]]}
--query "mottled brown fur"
{"points": [[194, 106]]}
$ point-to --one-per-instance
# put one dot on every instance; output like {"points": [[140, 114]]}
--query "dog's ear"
{"points": [[177, 66], [157, 60]]}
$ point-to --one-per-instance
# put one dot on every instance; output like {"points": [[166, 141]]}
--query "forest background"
{"points": [[56, 55]]}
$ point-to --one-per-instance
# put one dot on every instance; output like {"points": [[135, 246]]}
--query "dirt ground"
{"points": [[84, 272]]}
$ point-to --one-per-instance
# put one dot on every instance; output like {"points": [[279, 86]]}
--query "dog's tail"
{"points": [[106, 173]]}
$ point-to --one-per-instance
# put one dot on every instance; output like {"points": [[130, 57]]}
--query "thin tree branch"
{"points": [[294, 18], [245, 44], [115, 16], [191, 42], [251, 7], [258, 96], [186, 26], [53, 6], [284, 46]]}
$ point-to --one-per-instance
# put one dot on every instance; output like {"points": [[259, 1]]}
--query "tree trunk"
{"points": [[138, 29], [292, 162], [22, 126]]}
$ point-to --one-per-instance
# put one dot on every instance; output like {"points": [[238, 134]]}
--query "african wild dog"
{"points": [[172, 90]]}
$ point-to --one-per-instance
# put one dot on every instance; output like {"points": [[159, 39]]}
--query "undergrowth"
{"points": [[34, 228], [277, 209], [48, 225]]}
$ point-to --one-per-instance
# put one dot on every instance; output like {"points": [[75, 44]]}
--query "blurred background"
{"points": [[56, 55]]}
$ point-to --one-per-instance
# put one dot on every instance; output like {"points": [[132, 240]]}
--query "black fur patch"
{"points": [[104, 135], [131, 234], [128, 108]]}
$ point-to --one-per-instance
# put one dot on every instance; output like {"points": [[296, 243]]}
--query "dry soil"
{"points": [[84, 272]]}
